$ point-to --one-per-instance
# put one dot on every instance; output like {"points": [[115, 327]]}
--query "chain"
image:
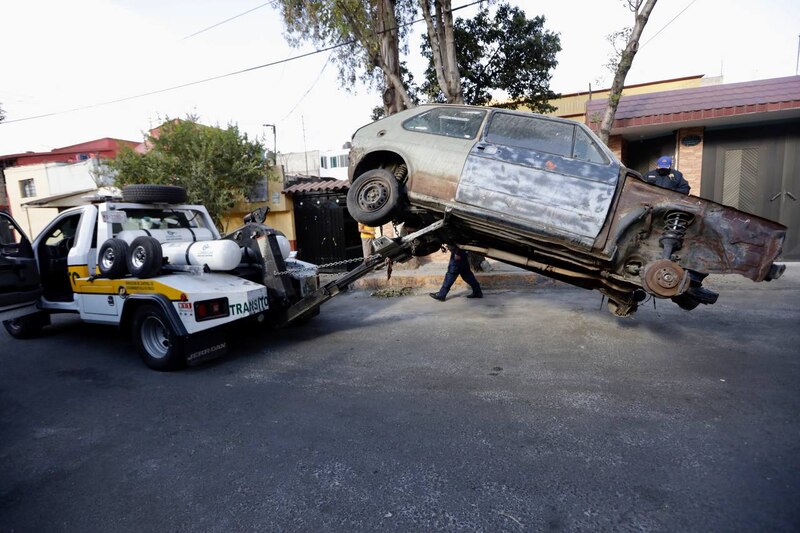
{"points": [[327, 265]]}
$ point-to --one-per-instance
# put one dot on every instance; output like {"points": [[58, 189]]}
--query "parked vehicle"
{"points": [[154, 266], [545, 194]]}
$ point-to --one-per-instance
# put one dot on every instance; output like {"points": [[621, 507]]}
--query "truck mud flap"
{"points": [[204, 346]]}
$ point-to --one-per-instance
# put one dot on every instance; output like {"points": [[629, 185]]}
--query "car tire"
{"points": [[375, 197], [113, 259], [145, 257], [154, 194], [26, 327], [158, 344]]}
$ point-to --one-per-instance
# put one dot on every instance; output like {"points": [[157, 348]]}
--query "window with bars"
{"points": [[27, 188]]}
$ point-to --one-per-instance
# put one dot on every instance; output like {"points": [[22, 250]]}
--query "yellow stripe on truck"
{"points": [[79, 279]]}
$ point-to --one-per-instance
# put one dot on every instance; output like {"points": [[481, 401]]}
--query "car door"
{"points": [[20, 287], [549, 176]]}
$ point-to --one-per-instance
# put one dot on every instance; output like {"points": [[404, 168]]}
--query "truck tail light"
{"points": [[210, 309]]}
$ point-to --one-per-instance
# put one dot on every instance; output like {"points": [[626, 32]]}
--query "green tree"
{"points": [[218, 167], [373, 33], [507, 52]]}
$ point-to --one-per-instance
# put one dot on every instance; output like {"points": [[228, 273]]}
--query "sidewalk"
{"points": [[429, 276]]}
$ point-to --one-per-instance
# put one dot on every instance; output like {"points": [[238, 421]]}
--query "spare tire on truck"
{"points": [[154, 194], [145, 257]]}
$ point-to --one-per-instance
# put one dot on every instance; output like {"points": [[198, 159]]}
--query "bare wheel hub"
{"points": [[372, 196], [665, 278]]}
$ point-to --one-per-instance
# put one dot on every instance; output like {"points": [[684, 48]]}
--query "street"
{"points": [[524, 411]]}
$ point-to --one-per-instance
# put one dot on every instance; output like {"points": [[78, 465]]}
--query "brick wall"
{"points": [[617, 145], [689, 159]]}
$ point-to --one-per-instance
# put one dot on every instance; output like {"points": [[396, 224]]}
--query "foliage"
{"points": [[506, 52], [218, 167], [354, 22]]}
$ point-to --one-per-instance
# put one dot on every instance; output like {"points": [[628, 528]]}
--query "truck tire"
{"points": [[375, 197], [27, 327], [158, 344], [113, 259], [145, 257], [154, 194]]}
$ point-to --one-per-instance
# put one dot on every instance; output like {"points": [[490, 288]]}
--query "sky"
{"points": [[59, 55]]}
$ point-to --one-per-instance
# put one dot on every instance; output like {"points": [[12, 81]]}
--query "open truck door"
{"points": [[20, 286]]}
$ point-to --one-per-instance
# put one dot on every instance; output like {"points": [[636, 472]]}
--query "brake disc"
{"points": [[665, 278]]}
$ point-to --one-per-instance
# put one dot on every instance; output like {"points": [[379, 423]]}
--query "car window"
{"points": [[8, 232], [586, 150], [63, 232], [448, 121], [532, 133]]}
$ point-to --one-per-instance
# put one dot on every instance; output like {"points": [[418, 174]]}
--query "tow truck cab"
{"points": [[175, 315]]}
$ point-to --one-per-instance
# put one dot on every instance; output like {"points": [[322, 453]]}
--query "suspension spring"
{"points": [[401, 172], [675, 225]]}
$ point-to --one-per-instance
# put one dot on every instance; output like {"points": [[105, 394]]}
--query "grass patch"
{"points": [[392, 292]]}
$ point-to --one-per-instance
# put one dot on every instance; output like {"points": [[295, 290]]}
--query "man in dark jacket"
{"points": [[667, 177], [458, 266]]}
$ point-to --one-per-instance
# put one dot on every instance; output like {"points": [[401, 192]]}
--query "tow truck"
{"points": [[159, 269]]}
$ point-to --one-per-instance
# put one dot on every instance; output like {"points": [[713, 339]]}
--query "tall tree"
{"points": [[623, 60], [507, 52], [374, 30], [218, 167], [442, 41]]}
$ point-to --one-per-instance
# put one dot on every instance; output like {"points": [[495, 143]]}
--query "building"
{"points": [[37, 185], [323, 164], [737, 144]]}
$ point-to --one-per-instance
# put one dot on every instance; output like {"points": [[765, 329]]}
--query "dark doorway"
{"points": [[326, 233], [756, 169], [641, 155]]}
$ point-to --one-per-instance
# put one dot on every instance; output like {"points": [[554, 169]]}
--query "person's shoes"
{"points": [[475, 295], [436, 296]]}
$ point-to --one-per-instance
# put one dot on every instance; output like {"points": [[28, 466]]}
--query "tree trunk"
{"points": [[442, 41], [625, 62], [390, 54]]}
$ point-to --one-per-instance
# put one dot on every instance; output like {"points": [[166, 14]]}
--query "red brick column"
{"points": [[617, 145], [689, 159]]}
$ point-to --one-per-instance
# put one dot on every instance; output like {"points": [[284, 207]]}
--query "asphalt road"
{"points": [[518, 412]]}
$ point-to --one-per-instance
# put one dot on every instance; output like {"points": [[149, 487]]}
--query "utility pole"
{"points": [[797, 63], [305, 148], [274, 142]]}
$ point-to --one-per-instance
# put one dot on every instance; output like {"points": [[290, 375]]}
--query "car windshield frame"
{"points": [[606, 160]]}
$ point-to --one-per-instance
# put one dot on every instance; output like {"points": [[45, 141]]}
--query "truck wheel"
{"points": [[160, 347], [375, 197], [113, 259], [154, 194], [27, 327], [145, 257]]}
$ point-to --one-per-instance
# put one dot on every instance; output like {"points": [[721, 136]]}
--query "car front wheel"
{"points": [[375, 197]]}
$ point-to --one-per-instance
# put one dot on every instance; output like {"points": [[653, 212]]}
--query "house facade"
{"points": [[737, 144]]}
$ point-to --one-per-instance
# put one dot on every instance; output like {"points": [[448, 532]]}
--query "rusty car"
{"points": [[545, 194]]}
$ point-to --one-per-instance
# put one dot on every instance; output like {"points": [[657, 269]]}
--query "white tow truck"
{"points": [[159, 269]]}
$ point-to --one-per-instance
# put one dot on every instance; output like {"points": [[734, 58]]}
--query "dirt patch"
{"points": [[392, 292]]}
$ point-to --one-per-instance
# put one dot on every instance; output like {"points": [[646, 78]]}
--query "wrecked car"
{"points": [[546, 194]]}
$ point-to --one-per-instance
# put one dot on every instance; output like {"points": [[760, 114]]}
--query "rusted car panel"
{"points": [[717, 239], [559, 196], [555, 200]]}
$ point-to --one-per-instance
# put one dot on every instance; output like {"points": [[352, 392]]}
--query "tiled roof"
{"points": [[318, 186], [746, 97]]}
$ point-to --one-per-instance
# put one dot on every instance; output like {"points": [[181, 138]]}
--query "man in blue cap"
{"points": [[667, 177]]}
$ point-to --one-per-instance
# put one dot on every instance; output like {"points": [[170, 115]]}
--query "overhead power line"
{"points": [[213, 78], [664, 27], [225, 21]]}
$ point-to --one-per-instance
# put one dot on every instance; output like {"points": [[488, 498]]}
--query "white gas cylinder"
{"points": [[220, 256], [168, 235]]}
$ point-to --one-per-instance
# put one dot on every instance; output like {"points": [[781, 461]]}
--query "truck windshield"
{"points": [[149, 219]]}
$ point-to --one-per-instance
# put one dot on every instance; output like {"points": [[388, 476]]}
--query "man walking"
{"points": [[458, 266]]}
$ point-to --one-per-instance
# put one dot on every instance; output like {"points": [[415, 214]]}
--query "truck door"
{"points": [[20, 287]]}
